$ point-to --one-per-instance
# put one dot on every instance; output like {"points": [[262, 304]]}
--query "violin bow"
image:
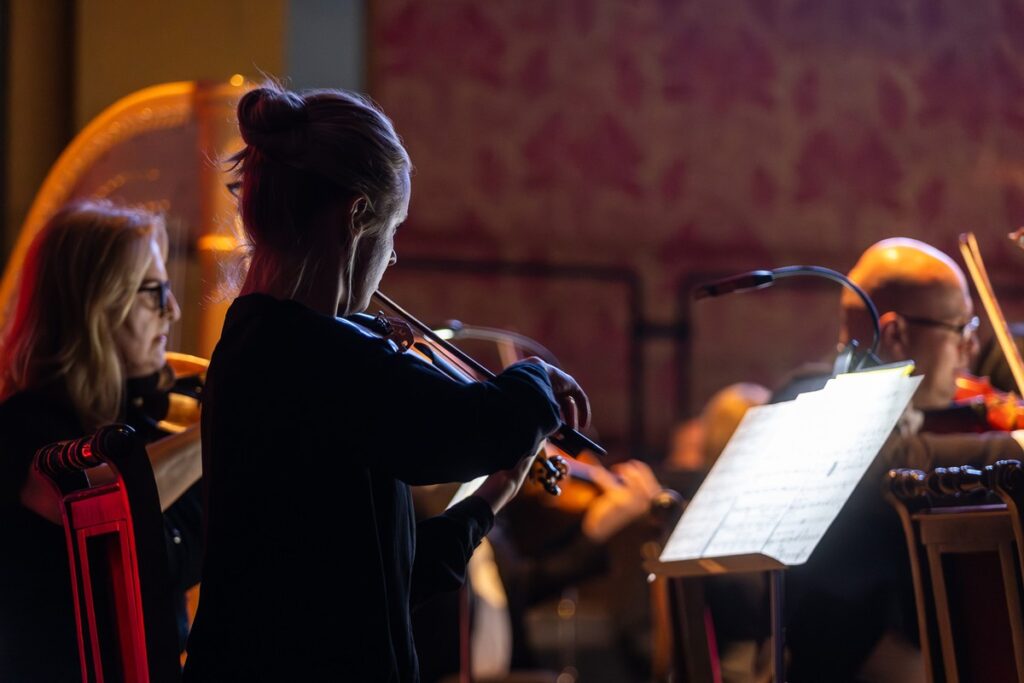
{"points": [[976, 267]]}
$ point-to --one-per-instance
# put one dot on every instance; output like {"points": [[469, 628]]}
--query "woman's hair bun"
{"points": [[274, 121]]}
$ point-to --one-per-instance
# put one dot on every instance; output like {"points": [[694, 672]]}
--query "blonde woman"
{"points": [[86, 347]]}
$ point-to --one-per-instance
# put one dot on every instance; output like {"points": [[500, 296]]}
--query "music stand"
{"points": [[781, 481]]}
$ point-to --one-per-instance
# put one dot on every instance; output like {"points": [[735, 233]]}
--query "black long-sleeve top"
{"points": [[312, 429], [38, 641]]}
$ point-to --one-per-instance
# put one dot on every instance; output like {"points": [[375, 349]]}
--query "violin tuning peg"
{"points": [[559, 463], [552, 487]]}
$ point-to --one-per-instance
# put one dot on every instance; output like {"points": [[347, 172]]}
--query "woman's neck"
{"points": [[312, 281]]}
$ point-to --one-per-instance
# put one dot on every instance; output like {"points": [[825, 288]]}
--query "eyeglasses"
{"points": [[162, 292], [965, 330]]}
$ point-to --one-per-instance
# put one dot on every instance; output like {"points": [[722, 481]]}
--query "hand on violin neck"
{"points": [[572, 401], [501, 487]]}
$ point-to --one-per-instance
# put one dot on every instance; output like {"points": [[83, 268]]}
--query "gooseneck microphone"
{"points": [[759, 279], [755, 279]]}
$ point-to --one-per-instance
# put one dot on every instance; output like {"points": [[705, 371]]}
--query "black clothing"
{"points": [[38, 639], [317, 427]]}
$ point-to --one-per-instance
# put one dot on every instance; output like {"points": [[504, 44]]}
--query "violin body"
{"points": [[1004, 411], [977, 407], [172, 404], [186, 394]]}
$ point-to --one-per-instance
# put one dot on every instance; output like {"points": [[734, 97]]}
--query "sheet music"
{"points": [[709, 508], [789, 469], [867, 406]]}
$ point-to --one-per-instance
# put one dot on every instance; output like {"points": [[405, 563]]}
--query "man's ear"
{"points": [[894, 345]]}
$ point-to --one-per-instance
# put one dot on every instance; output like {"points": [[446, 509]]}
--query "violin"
{"points": [[186, 393], [971, 253], [170, 404], [413, 336], [977, 407]]}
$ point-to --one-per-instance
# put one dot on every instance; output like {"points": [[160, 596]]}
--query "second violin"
{"points": [[978, 407]]}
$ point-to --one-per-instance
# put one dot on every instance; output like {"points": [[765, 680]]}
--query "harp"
{"points": [[157, 148]]}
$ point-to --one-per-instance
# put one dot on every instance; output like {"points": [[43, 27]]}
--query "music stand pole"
{"points": [[775, 592]]}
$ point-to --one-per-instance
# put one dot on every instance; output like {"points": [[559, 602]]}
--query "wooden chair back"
{"points": [[964, 536]]}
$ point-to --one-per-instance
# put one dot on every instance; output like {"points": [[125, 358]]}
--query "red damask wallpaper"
{"points": [[656, 143]]}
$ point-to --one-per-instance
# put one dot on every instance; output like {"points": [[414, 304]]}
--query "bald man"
{"points": [[925, 312], [851, 614]]}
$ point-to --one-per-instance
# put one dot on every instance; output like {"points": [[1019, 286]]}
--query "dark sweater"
{"points": [[37, 617], [312, 429]]}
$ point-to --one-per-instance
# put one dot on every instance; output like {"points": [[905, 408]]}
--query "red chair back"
{"points": [[118, 558]]}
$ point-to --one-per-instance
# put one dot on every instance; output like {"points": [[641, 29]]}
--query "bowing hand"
{"points": [[571, 399]]}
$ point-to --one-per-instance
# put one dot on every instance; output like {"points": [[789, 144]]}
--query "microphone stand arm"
{"points": [[836, 276], [849, 358]]}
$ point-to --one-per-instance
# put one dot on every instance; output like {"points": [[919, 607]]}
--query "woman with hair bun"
{"points": [[313, 428]]}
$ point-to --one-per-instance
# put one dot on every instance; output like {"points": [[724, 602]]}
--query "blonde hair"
{"points": [[78, 283], [306, 151]]}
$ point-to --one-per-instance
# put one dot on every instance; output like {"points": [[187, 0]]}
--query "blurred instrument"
{"points": [[510, 345], [977, 407], [1003, 410], [170, 402], [157, 148], [976, 267], [186, 394]]}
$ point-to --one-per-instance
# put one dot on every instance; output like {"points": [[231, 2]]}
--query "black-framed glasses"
{"points": [[965, 330], [161, 290]]}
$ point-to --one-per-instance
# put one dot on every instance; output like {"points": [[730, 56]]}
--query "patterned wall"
{"points": [[680, 138]]}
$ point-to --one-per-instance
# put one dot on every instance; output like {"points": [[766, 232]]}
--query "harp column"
{"points": [[217, 239]]}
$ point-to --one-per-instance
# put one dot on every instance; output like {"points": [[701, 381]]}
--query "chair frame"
{"points": [[947, 514], [118, 558]]}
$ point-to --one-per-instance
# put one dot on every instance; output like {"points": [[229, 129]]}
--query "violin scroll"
{"points": [[395, 329], [548, 471]]}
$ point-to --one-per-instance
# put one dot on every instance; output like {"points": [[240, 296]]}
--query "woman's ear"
{"points": [[894, 343], [358, 215]]}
